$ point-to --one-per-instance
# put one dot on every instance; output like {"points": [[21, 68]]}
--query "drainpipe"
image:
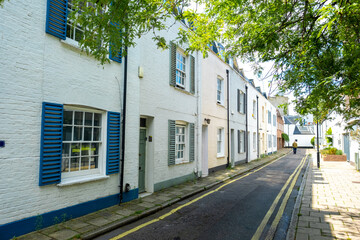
{"points": [[246, 124], [122, 157], [228, 118], [257, 126]]}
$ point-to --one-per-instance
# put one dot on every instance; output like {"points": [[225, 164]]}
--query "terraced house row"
{"points": [[64, 150]]}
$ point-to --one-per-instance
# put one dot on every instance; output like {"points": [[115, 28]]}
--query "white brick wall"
{"points": [[37, 67]]}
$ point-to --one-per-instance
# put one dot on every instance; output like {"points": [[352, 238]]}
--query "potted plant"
{"points": [[332, 154]]}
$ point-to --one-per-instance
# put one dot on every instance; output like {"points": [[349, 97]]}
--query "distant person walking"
{"points": [[295, 146]]}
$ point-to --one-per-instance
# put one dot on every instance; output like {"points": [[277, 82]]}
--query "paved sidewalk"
{"points": [[330, 204], [89, 226]]}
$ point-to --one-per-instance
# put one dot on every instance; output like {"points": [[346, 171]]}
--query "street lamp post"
{"points": [[318, 151]]}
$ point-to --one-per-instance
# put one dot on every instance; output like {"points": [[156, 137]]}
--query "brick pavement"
{"points": [[330, 205], [90, 225]]}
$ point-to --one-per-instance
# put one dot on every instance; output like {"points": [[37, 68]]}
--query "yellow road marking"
{"points": [[282, 206], [263, 223], [188, 203]]}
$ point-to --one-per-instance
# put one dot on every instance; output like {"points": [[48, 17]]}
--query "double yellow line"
{"points": [[293, 178], [192, 201]]}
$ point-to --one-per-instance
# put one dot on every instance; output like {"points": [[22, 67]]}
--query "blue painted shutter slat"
{"points": [[117, 57], [51, 143], [113, 143], [56, 18]]}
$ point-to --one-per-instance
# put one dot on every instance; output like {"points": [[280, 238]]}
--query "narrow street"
{"points": [[245, 207]]}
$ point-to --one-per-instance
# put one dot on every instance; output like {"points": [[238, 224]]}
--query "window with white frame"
{"points": [[274, 141], [242, 141], [180, 69], [75, 32], [241, 101], [269, 117], [82, 141], [274, 120], [269, 140], [254, 141], [254, 109], [220, 142], [180, 144], [219, 90]]}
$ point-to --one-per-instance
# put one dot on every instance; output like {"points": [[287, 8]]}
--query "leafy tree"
{"points": [[120, 23], [314, 44], [285, 137]]}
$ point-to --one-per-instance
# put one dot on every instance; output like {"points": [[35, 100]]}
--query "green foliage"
{"points": [[331, 151], [314, 45], [329, 140], [339, 152], [285, 137], [312, 141], [329, 132]]}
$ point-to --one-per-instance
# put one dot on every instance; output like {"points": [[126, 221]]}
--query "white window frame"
{"points": [[181, 61], [269, 117], [220, 144], [100, 170], [71, 40], [220, 90], [181, 141]]}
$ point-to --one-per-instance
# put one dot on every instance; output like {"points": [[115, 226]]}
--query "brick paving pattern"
{"points": [[330, 205]]}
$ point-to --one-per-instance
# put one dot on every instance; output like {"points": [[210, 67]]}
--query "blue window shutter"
{"points": [[117, 57], [192, 143], [56, 18], [113, 143], [171, 156], [51, 143]]}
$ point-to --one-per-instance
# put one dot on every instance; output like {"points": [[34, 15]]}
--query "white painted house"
{"points": [[169, 113], [61, 115]]}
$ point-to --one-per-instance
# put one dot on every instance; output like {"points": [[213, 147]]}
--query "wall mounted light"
{"points": [[207, 120]]}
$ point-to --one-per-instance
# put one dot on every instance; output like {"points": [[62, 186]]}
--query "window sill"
{"points": [[220, 104], [82, 179], [71, 43], [220, 155], [183, 90]]}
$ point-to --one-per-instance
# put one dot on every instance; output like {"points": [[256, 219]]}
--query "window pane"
{"points": [[68, 115], [67, 132], [74, 165], [84, 163], [65, 164], [66, 150], [88, 119], [97, 119], [78, 133], [97, 134], [78, 118], [75, 149], [94, 149], [93, 162], [87, 134], [85, 149]]}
